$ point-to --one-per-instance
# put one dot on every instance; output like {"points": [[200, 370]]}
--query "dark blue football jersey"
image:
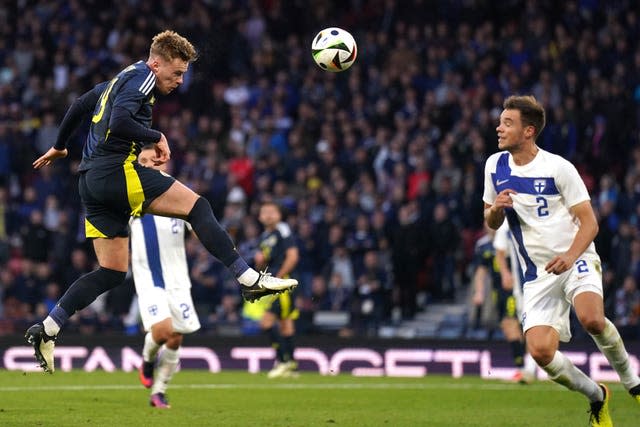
{"points": [[131, 89], [274, 245], [485, 254]]}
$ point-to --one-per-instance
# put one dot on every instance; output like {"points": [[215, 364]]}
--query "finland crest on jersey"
{"points": [[540, 221], [539, 185], [152, 266]]}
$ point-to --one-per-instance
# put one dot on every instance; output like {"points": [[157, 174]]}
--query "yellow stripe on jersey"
{"points": [[91, 231], [103, 101], [135, 193]]}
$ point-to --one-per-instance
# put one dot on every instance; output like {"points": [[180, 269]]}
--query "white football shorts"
{"points": [[157, 304], [547, 300]]}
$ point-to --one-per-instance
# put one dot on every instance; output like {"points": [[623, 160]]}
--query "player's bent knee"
{"points": [[175, 341], [541, 348], [162, 331], [162, 335], [593, 325], [178, 201], [541, 354]]}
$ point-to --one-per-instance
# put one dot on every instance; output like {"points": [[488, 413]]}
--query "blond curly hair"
{"points": [[170, 45]]}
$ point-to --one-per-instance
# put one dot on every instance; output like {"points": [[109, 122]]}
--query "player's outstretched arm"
{"points": [[72, 119], [292, 255], [48, 157]]}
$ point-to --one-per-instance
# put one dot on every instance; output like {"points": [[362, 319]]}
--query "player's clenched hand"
{"points": [[503, 200], [48, 157], [163, 153], [559, 264]]}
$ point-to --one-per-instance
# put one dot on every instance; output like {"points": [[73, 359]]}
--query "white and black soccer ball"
{"points": [[334, 49]]}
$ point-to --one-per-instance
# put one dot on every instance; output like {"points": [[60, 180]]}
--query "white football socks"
{"points": [[610, 344], [530, 366], [150, 348], [249, 277], [167, 366], [565, 373], [51, 328]]}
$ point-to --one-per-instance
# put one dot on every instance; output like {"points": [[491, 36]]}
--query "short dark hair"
{"points": [[284, 212], [274, 204], [531, 111], [170, 45]]}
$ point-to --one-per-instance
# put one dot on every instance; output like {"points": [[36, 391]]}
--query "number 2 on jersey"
{"points": [[175, 226], [186, 310], [582, 266], [543, 206]]}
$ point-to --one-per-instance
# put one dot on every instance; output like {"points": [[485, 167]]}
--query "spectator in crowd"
{"points": [[627, 308], [372, 286], [35, 238], [443, 241], [408, 253]]}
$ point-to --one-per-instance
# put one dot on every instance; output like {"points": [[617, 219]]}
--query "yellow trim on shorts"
{"points": [[135, 193], [286, 305], [91, 231], [511, 306]]}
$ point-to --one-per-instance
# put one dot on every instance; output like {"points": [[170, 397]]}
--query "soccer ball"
{"points": [[334, 49]]}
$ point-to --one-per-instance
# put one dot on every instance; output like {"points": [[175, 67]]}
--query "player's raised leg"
{"points": [[180, 201], [590, 312], [113, 259]]}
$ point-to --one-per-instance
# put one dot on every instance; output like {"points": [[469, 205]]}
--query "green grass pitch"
{"points": [[200, 398]]}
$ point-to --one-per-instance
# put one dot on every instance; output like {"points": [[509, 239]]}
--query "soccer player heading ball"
{"points": [[113, 186]]}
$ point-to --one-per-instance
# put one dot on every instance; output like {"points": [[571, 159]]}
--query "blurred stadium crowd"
{"points": [[379, 168]]}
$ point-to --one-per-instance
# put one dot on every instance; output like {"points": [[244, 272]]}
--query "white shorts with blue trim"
{"points": [[547, 300], [157, 304]]}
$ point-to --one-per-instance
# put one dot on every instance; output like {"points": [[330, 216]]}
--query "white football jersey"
{"points": [[540, 222], [158, 256]]}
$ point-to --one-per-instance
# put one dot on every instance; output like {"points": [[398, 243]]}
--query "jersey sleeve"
{"points": [[501, 239], [123, 124], [489, 195], [570, 184], [128, 100], [287, 237], [135, 91], [72, 119], [479, 254]]}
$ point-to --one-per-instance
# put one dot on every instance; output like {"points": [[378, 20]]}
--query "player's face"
{"points": [[169, 74], [269, 215], [510, 130]]}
